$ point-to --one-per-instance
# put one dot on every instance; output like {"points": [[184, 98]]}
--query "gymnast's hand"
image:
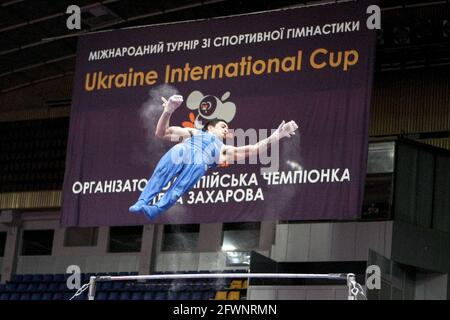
{"points": [[173, 103], [286, 130]]}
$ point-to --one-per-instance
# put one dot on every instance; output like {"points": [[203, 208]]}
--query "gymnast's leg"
{"points": [[168, 167], [187, 178]]}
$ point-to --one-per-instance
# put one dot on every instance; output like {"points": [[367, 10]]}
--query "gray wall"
{"points": [[421, 247], [431, 286], [336, 241]]}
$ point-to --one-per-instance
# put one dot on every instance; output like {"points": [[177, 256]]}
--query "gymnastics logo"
{"points": [[208, 107]]}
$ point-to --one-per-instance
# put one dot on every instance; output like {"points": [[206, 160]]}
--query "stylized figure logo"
{"points": [[210, 107]]}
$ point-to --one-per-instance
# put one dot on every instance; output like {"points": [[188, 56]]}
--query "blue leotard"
{"points": [[188, 162]]}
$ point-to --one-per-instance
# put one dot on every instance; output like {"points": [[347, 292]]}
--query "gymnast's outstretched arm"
{"points": [[233, 154], [172, 133]]}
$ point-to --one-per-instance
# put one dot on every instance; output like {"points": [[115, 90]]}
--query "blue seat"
{"points": [[113, 295], [172, 295], [62, 286], [82, 296], [137, 295], [14, 296], [25, 296], [148, 295], [125, 295], [118, 285], [208, 295], [102, 295], [105, 286], [47, 278], [32, 287], [11, 287], [27, 278], [42, 287], [160, 295], [84, 278], [36, 296], [68, 294], [185, 295], [5, 296], [17, 278], [37, 278], [22, 287], [59, 277], [197, 295], [47, 296], [53, 287], [57, 296], [156, 287]]}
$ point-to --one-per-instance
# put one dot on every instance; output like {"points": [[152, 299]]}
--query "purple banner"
{"points": [[311, 65]]}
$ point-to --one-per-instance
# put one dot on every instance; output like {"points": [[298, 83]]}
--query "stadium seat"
{"points": [[197, 295], [53, 287], [105, 285], [161, 295], [37, 278], [17, 278], [47, 296], [27, 278], [25, 296], [62, 286], [58, 277], [101, 296], [113, 295], [85, 277], [185, 295], [137, 296], [236, 284], [57, 296], [125, 295], [221, 295], [208, 295], [82, 296], [148, 295], [22, 287], [47, 278], [5, 296], [172, 295], [36, 296], [32, 287], [233, 295], [67, 295], [14, 296], [42, 287], [118, 285]]}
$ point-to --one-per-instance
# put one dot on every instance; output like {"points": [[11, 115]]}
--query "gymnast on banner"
{"points": [[196, 151]]}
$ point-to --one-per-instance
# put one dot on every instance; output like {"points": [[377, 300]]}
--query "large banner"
{"points": [[311, 65]]}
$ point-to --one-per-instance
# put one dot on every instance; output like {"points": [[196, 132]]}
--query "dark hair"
{"points": [[213, 123]]}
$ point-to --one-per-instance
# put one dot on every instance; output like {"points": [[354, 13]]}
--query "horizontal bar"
{"points": [[330, 276]]}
